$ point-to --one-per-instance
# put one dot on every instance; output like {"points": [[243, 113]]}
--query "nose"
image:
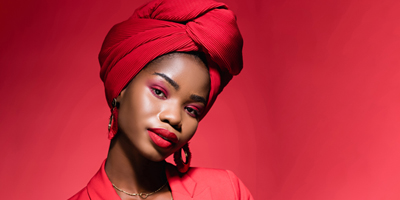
{"points": [[172, 115]]}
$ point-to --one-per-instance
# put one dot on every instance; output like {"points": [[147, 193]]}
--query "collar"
{"points": [[100, 187], [182, 185]]}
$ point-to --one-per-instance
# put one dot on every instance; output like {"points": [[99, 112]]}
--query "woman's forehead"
{"points": [[178, 64]]}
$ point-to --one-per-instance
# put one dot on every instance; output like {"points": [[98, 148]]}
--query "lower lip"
{"points": [[159, 141]]}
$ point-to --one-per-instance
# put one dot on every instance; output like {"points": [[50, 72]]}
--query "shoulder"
{"points": [[219, 179], [81, 195], [222, 184], [211, 176]]}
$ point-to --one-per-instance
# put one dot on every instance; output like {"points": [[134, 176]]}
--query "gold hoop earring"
{"points": [[182, 166]]}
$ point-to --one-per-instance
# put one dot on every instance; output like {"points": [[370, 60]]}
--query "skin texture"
{"points": [[168, 93]]}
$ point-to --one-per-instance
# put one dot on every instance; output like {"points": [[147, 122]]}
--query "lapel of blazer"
{"points": [[184, 187], [100, 187]]}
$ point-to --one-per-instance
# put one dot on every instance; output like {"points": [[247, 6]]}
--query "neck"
{"points": [[129, 170]]}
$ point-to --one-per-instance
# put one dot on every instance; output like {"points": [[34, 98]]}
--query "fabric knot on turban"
{"points": [[165, 26]]}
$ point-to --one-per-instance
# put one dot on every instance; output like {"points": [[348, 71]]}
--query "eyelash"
{"points": [[158, 93], [193, 112]]}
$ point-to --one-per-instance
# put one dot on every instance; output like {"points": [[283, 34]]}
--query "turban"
{"points": [[163, 26]]}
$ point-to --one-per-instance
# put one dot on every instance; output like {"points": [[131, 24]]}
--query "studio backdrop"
{"points": [[315, 113]]}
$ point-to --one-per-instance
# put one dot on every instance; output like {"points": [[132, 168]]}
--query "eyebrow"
{"points": [[198, 98], [168, 79], [176, 86]]}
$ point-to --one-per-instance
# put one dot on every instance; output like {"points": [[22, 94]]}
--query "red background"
{"points": [[314, 114]]}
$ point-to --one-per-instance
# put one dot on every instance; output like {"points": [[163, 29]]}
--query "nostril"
{"points": [[177, 127]]}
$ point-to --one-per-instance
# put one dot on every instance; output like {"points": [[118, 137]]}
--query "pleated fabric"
{"points": [[163, 26]]}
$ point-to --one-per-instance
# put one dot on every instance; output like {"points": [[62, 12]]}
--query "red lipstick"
{"points": [[162, 137]]}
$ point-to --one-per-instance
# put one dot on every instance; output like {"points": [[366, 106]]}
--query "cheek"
{"points": [[147, 105], [137, 109], [190, 129]]}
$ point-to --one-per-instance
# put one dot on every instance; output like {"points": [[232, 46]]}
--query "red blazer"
{"points": [[197, 183]]}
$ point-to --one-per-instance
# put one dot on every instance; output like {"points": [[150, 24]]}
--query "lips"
{"points": [[162, 137]]}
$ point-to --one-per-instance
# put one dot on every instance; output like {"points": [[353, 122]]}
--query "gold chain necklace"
{"points": [[141, 195]]}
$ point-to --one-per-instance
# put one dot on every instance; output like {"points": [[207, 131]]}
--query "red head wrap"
{"points": [[164, 26]]}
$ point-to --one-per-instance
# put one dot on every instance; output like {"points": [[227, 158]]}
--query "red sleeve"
{"points": [[242, 193]]}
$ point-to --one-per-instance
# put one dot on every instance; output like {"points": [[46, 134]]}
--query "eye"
{"points": [[192, 112], [158, 93]]}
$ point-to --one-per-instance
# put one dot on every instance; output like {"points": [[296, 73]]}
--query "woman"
{"points": [[162, 70]]}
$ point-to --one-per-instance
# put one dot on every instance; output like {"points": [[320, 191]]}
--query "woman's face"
{"points": [[159, 110]]}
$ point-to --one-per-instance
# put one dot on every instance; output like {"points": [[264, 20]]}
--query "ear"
{"points": [[121, 95]]}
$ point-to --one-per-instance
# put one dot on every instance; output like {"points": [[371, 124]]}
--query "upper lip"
{"points": [[165, 134]]}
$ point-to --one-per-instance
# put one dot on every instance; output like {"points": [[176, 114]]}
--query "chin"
{"points": [[156, 156]]}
